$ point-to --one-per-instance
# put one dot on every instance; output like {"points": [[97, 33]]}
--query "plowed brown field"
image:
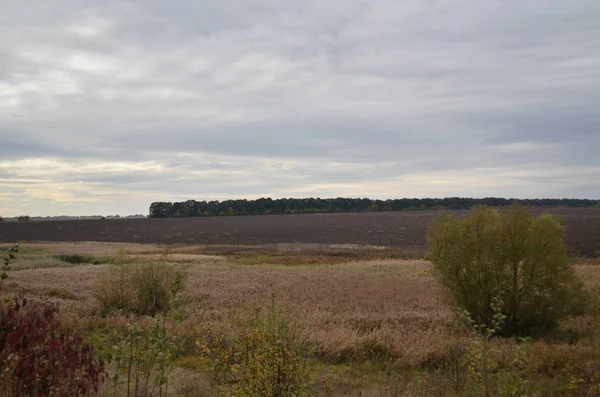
{"points": [[398, 229]]}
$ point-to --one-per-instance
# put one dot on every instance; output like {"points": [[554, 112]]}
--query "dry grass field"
{"points": [[373, 316]]}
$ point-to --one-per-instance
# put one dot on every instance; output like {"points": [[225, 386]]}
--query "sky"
{"points": [[107, 106]]}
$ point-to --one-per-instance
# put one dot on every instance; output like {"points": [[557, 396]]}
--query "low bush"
{"points": [[79, 259], [75, 259], [38, 357], [113, 288], [475, 368], [23, 218], [144, 357], [265, 356], [138, 288]]}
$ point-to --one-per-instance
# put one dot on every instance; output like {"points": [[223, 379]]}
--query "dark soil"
{"points": [[405, 229]]}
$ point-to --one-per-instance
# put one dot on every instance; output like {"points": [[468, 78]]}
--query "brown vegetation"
{"points": [[370, 317]]}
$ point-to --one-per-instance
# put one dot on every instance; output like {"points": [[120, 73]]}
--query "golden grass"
{"points": [[395, 303]]}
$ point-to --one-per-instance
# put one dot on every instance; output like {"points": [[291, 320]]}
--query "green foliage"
{"points": [[474, 370], [483, 376], [152, 283], [144, 357], [511, 256], [75, 258], [39, 357], [23, 218], [6, 265], [138, 288], [264, 358], [340, 204]]}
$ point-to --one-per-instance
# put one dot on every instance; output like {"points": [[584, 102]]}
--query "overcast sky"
{"points": [[106, 106]]}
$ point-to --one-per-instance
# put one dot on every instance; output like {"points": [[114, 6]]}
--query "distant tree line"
{"points": [[26, 218], [193, 208]]}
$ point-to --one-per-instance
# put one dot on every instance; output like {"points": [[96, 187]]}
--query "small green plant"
{"points": [[264, 358], [479, 363], [6, 265], [475, 370], [144, 357]]}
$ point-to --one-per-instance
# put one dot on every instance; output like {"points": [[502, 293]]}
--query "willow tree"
{"points": [[511, 256]]}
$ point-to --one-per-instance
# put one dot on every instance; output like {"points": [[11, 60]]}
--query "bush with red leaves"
{"points": [[38, 357]]}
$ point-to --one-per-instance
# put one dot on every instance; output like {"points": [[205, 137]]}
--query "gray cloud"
{"points": [[102, 103]]}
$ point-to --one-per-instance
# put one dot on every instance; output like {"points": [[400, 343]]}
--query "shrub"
{"points": [[145, 356], [23, 218], [152, 283], [38, 357], [138, 288], [7, 260], [75, 258], [113, 289], [264, 357], [509, 255], [474, 369]]}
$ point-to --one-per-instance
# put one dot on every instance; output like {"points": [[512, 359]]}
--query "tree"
{"points": [[340, 204], [510, 256], [160, 210], [23, 218]]}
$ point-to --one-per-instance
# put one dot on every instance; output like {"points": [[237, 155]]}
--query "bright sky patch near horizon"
{"points": [[107, 106]]}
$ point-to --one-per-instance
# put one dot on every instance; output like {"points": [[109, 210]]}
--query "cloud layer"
{"points": [[106, 106]]}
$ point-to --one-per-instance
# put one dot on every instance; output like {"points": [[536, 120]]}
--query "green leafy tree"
{"points": [[510, 256], [341, 204]]}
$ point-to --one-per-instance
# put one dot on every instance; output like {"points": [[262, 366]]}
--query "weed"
{"points": [[265, 356]]}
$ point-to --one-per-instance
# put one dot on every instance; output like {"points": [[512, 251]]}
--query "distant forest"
{"points": [[263, 206]]}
